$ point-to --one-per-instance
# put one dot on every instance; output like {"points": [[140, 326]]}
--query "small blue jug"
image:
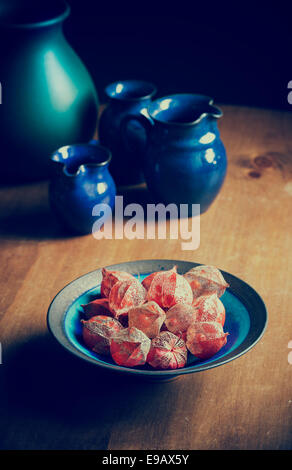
{"points": [[125, 97], [81, 180], [184, 158]]}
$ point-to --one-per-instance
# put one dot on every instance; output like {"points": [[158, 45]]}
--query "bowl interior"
{"points": [[237, 324]]}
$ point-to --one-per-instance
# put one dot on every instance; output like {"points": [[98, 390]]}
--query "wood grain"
{"points": [[50, 400]]}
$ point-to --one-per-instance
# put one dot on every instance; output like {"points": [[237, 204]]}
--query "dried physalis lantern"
{"points": [[179, 318], [130, 347], [205, 339], [147, 280], [206, 280], [209, 308], [148, 318], [168, 288], [96, 307], [98, 331], [167, 352], [109, 278], [125, 295]]}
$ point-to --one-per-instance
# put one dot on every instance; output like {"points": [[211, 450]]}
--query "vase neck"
{"points": [[33, 14]]}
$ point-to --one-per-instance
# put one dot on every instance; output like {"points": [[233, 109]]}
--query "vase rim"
{"points": [[142, 90], [202, 100], [91, 147], [53, 18]]}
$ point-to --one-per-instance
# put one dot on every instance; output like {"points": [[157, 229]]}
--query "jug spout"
{"points": [[212, 111]]}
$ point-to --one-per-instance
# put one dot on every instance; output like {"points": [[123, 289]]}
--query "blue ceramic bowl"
{"points": [[246, 319]]}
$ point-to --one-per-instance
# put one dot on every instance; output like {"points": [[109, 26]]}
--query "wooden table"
{"points": [[51, 400]]}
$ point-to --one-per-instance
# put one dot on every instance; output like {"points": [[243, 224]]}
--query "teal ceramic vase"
{"points": [[48, 98]]}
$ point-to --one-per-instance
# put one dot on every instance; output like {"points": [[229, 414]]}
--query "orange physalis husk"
{"points": [[109, 278], [98, 331], [125, 295], [206, 280], [147, 280], [148, 318], [168, 288], [167, 351], [205, 339], [96, 307], [179, 318], [130, 347], [209, 308]]}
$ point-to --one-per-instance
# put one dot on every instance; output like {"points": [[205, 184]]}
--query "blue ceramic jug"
{"points": [[185, 159], [81, 180], [48, 97], [125, 97]]}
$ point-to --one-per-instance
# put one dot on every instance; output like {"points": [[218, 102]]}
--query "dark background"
{"points": [[238, 54]]}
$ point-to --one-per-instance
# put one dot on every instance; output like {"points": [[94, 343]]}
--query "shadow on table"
{"points": [[25, 213], [49, 386]]}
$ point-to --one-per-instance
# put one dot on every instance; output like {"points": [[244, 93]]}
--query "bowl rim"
{"points": [[250, 295]]}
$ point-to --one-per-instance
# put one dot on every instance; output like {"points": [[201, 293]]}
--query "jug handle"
{"points": [[146, 123]]}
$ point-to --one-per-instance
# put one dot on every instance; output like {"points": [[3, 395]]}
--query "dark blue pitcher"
{"points": [[81, 181], [185, 159], [125, 97]]}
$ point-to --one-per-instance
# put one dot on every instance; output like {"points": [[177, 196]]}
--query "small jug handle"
{"points": [[146, 123]]}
